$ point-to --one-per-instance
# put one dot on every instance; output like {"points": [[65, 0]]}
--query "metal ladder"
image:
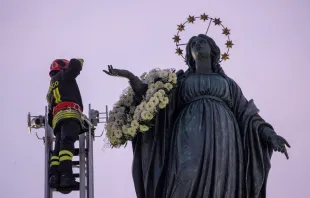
{"points": [[84, 152]]}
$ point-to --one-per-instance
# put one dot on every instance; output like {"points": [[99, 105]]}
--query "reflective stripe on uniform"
{"points": [[65, 158], [54, 161], [65, 155], [54, 158], [66, 114], [65, 152]]}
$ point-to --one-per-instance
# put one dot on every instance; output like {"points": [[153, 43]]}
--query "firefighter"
{"points": [[65, 117]]}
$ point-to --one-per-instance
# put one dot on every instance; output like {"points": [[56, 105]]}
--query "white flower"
{"points": [[162, 92], [172, 78], [136, 116], [154, 100], [128, 101], [125, 117], [162, 74], [118, 133], [158, 94], [143, 115], [168, 86], [164, 100], [162, 105], [159, 84], [146, 115], [151, 90], [143, 128], [138, 108], [174, 81], [113, 140], [142, 105], [118, 109], [150, 107], [124, 129], [132, 109], [131, 131], [148, 95], [134, 124], [108, 133], [153, 86]]}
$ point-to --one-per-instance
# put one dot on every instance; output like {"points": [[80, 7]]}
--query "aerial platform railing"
{"points": [[85, 150]]}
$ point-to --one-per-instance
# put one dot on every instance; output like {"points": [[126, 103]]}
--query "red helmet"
{"points": [[58, 65]]}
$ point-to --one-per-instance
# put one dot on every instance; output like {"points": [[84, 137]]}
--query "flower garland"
{"points": [[126, 120]]}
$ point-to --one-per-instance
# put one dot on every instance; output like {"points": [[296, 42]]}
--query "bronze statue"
{"points": [[209, 141]]}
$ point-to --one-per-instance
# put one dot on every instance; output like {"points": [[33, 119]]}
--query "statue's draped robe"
{"points": [[206, 143]]}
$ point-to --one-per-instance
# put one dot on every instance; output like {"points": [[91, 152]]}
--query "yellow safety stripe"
{"points": [[64, 158], [54, 158], [54, 163], [65, 114], [65, 152], [57, 95]]}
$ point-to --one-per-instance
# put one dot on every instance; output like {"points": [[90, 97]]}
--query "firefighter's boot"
{"points": [[53, 172]]}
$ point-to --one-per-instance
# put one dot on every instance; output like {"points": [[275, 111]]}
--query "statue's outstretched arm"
{"points": [[136, 84]]}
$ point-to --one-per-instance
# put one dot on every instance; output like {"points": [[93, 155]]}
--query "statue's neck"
{"points": [[203, 66]]}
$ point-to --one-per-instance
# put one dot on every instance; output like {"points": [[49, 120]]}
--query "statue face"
{"points": [[200, 48]]}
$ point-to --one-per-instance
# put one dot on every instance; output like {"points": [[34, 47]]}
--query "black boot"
{"points": [[53, 176], [54, 181], [67, 181]]}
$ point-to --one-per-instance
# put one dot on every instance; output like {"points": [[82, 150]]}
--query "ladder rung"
{"points": [[77, 151], [75, 163], [76, 175]]}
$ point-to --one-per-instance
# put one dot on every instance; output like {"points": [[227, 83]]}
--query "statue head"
{"points": [[203, 47]]}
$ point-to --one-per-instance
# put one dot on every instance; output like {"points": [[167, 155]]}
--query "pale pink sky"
{"points": [[269, 61]]}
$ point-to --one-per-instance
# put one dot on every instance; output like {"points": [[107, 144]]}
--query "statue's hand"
{"points": [[279, 144], [118, 72]]}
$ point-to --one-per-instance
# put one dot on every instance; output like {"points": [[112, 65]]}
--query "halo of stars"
{"points": [[203, 17]]}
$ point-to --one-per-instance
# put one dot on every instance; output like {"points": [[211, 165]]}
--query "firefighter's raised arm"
{"points": [[74, 68]]}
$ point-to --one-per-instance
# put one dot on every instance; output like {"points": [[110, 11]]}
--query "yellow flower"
{"points": [[135, 124], [144, 128], [168, 86], [164, 100], [131, 131], [162, 105]]}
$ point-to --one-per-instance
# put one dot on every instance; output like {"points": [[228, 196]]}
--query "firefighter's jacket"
{"points": [[64, 88]]}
